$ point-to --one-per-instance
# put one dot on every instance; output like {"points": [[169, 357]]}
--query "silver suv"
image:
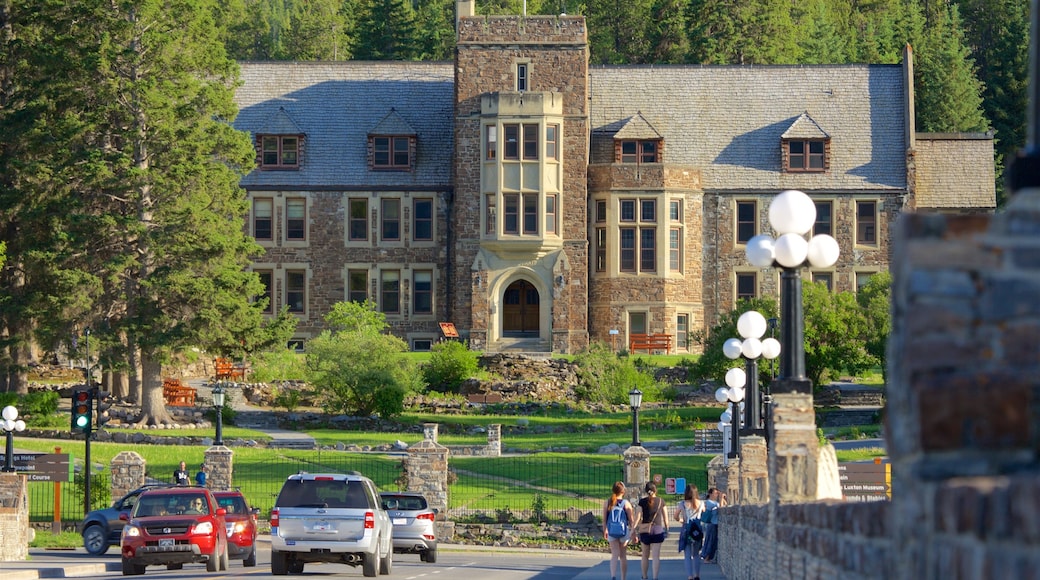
{"points": [[330, 517]]}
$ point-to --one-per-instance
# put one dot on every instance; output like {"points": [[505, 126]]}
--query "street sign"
{"points": [[865, 481], [42, 466]]}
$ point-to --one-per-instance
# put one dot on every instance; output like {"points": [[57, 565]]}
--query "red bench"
{"points": [[177, 394], [227, 370], [650, 343]]}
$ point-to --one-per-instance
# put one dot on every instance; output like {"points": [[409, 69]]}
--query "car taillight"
{"points": [[370, 521], [425, 517], [274, 518]]}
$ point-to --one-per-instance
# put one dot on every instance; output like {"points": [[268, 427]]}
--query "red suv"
{"points": [[174, 526], [241, 526]]}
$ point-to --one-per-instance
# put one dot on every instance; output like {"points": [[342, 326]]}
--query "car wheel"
{"points": [[296, 567], [213, 562], [250, 560], [387, 562], [95, 540], [279, 563], [370, 567], [131, 569], [175, 566], [429, 556], [225, 561]]}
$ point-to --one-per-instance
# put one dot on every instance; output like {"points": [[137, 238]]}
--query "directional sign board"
{"points": [[865, 481], [41, 466]]}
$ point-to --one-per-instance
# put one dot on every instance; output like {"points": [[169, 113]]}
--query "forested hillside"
{"points": [[970, 55]]}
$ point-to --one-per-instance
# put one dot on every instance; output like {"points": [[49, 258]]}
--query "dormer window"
{"points": [[391, 152], [808, 155], [638, 151], [279, 151]]}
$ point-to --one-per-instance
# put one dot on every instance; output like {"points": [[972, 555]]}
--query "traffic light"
{"points": [[103, 400], [81, 403]]}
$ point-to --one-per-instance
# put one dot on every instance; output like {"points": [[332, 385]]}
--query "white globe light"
{"points": [[792, 212], [737, 394], [722, 426], [823, 251], [731, 348], [736, 377], [726, 416], [751, 324], [722, 394], [791, 250], [770, 348], [9, 413], [751, 348], [7, 425], [19, 425], [759, 251]]}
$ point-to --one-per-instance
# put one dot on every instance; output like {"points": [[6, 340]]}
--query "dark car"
{"points": [[173, 527], [241, 526], [412, 519], [102, 528]]}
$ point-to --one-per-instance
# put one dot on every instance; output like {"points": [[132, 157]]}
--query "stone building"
{"points": [[539, 203]]}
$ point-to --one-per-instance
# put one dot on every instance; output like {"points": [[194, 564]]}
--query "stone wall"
{"points": [[15, 533]]}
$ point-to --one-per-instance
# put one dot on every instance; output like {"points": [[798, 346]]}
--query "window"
{"points": [[357, 223], [530, 214], [675, 249], [491, 142], [747, 225], [391, 152], [824, 220], [295, 345], [601, 249], [530, 141], [390, 291], [637, 323], [628, 210], [391, 219], [747, 285], [422, 344], [279, 152], [263, 219], [628, 249], [825, 278], [682, 331], [512, 213], [601, 211], [357, 285], [267, 279], [422, 218], [647, 249], [647, 210], [866, 222], [552, 141], [675, 210], [637, 152], [295, 219], [550, 214], [422, 292], [521, 76], [805, 155], [646, 237], [491, 217], [862, 278], [512, 133], [295, 290]]}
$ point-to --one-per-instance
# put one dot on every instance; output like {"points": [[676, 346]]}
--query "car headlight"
{"points": [[131, 531], [239, 528], [203, 528]]}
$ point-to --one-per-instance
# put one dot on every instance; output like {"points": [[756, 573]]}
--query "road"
{"points": [[859, 444]]}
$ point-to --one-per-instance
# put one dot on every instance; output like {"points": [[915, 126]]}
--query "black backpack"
{"points": [[693, 531]]}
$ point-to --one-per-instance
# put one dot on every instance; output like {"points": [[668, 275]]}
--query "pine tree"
{"points": [[386, 31], [666, 32]]}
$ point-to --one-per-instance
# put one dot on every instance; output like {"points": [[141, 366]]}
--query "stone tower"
{"points": [[519, 251]]}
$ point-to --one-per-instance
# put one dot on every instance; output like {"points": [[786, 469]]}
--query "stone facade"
{"points": [[15, 532], [127, 472], [220, 463]]}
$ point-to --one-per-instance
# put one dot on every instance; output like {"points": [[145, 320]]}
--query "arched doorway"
{"points": [[520, 309]]}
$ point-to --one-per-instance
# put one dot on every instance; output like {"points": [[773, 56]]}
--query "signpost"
{"points": [[42, 466], [863, 482]]}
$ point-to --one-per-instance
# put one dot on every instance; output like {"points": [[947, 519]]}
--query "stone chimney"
{"points": [[464, 8]]}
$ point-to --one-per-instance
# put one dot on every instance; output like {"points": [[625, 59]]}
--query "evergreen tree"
{"points": [[318, 30], [435, 22], [617, 31], [823, 32], [666, 32], [386, 31], [742, 32]]}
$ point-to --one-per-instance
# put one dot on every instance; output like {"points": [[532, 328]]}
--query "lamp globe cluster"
{"points": [[792, 214], [10, 424]]}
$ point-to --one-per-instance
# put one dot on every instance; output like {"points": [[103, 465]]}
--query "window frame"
{"points": [[291, 289], [280, 151], [295, 227], [743, 221], [523, 76], [551, 209], [418, 294], [355, 294], [743, 278], [866, 229], [386, 295], [386, 224], [397, 150], [268, 291], [552, 141], [257, 202], [421, 224], [824, 223], [637, 151], [675, 249], [355, 221], [808, 160]]}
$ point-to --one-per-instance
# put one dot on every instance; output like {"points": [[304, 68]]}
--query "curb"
{"points": [[62, 571]]}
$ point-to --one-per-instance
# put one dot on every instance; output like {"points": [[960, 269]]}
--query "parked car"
{"points": [[412, 518], [103, 528], [172, 527], [330, 517], [241, 526]]}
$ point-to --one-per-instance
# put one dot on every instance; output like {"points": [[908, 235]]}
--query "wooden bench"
{"points": [[650, 343], [178, 394], [227, 370]]}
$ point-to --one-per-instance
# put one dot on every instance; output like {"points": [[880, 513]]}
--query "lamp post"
{"points": [[752, 326], [11, 423], [218, 404], [734, 394], [792, 214], [635, 399]]}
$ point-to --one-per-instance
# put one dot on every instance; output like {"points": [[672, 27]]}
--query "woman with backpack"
{"points": [[617, 523], [689, 513], [653, 529]]}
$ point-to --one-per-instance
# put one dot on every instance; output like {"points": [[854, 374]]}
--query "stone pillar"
{"points": [[637, 471], [718, 473], [220, 465], [494, 441], [732, 487], [15, 532], [128, 473], [754, 471], [794, 450], [426, 472]]}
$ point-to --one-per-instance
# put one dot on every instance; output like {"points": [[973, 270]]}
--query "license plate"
{"points": [[322, 527], [166, 543], [400, 521]]}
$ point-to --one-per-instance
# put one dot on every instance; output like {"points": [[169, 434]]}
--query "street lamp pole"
{"points": [[752, 326], [10, 424], [736, 379], [218, 404], [635, 399]]}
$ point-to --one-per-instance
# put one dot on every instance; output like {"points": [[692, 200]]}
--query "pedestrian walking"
{"points": [[618, 521], [710, 519], [200, 477], [180, 475], [653, 528], [689, 513]]}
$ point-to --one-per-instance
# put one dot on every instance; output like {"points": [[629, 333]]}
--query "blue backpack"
{"points": [[617, 520]]}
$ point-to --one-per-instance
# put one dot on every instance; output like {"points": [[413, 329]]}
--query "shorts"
{"points": [[652, 538]]}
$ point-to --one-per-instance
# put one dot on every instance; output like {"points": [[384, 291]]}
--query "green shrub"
{"points": [[288, 399], [451, 363], [33, 404], [278, 365], [100, 490], [607, 378]]}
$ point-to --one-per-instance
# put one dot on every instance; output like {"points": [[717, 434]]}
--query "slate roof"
{"points": [[728, 120], [337, 105], [955, 172]]}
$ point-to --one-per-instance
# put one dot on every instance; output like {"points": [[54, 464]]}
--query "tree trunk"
{"points": [[153, 405], [134, 361], [120, 385], [21, 356]]}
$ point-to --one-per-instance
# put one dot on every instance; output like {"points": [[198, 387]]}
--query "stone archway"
{"points": [[521, 315]]}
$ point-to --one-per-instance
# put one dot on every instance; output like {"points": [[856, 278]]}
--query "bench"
{"points": [[650, 343], [227, 370], [177, 394]]}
